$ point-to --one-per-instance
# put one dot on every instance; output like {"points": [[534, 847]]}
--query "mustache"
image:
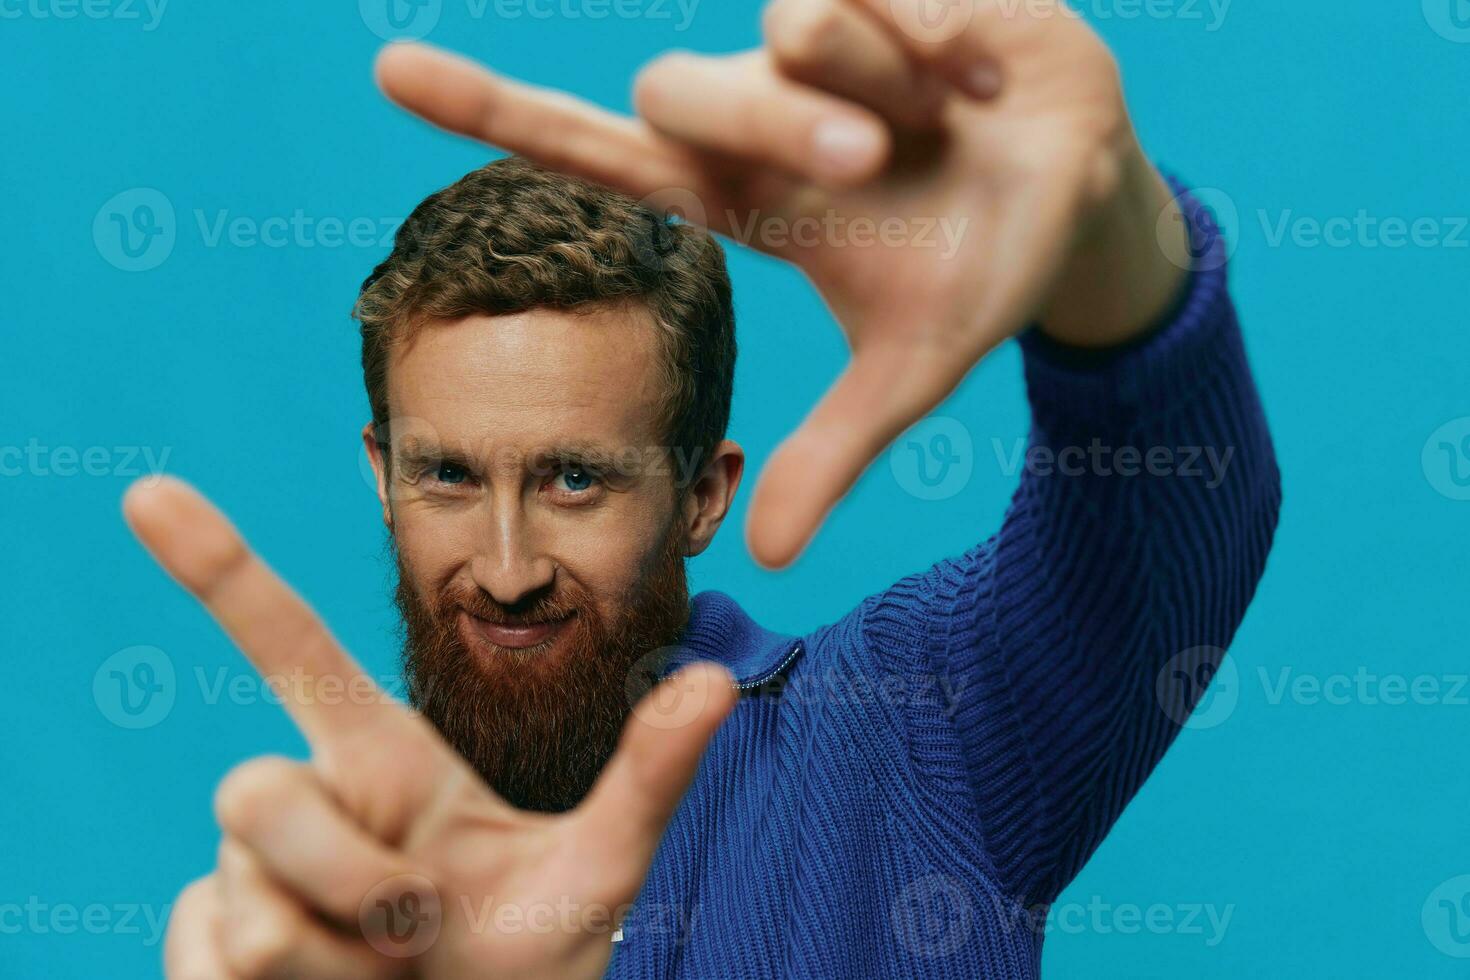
{"points": [[533, 611]]}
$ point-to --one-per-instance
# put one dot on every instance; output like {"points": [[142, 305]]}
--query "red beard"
{"points": [[540, 725]]}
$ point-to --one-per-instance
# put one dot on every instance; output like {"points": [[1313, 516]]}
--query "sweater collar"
{"points": [[719, 630]]}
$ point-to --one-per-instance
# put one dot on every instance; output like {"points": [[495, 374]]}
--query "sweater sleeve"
{"points": [[1124, 564]]}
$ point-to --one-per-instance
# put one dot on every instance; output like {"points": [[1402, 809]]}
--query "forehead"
{"points": [[534, 378]]}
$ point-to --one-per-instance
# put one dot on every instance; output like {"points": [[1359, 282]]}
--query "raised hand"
{"points": [[386, 855], [1002, 125]]}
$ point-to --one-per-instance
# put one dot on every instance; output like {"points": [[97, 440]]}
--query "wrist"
{"points": [[1123, 274]]}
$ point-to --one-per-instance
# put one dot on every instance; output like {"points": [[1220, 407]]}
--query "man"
{"points": [[548, 365]]}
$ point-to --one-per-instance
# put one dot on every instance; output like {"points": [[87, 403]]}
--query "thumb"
{"points": [[665, 737], [881, 393]]}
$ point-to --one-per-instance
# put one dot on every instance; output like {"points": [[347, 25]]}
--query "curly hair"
{"points": [[512, 236]]}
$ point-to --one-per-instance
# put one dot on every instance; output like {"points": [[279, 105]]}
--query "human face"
{"points": [[512, 474], [540, 557]]}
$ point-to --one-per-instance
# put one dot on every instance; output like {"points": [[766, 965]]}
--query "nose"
{"points": [[509, 566]]}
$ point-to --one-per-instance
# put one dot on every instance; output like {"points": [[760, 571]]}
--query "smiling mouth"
{"points": [[518, 636]]}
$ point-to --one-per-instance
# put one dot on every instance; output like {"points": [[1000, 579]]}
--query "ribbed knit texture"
{"points": [[906, 794]]}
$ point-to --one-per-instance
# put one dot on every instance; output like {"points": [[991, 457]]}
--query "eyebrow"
{"points": [[420, 456], [602, 460]]}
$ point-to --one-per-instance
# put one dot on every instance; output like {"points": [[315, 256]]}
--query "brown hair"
{"points": [[512, 236]]}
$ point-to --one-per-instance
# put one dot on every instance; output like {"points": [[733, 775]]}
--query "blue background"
{"points": [[1322, 828]]}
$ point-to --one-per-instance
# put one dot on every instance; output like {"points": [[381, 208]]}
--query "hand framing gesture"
{"points": [[1006, 122], [376, 858]]}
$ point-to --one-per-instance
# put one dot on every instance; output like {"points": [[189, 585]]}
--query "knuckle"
{"points": [[189, 971], [252, 791], [657, 80], [960, 50], [953, 43], [219, 555], [801, 32], [190, 930], [198, 903], [231, 860], [195, 894], [260, 949]]}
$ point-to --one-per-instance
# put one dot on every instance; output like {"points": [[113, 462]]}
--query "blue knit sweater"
{"points": [[903, 792]]}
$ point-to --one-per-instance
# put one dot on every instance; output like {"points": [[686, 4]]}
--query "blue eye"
{"points": [[574, 479], [450, 473]]}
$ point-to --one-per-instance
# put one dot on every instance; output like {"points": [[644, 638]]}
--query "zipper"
{"points": [[774, 671]]}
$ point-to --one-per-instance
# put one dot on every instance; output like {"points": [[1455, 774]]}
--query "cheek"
{"points": [[610, 562], [431, 550]]}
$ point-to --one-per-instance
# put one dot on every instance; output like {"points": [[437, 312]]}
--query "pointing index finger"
{"points": [[551, 128], [272, 626]]}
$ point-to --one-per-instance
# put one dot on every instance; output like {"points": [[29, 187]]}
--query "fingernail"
{"points": [[984, 80], [846, 146]]}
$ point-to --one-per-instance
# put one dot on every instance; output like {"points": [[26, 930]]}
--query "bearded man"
{"points": [[549, 364]]}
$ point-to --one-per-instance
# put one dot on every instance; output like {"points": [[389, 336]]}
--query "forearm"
{"points": [[1127, 266], [1140, 528]]}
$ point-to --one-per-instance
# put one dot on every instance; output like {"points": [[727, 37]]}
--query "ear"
{"points": [[380, 470], [710, 496]]}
